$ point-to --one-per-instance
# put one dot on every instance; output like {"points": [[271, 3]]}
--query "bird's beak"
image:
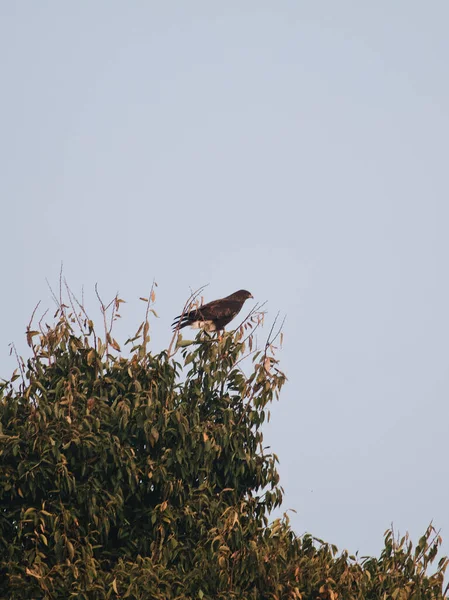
{"points": [[251, 296]]}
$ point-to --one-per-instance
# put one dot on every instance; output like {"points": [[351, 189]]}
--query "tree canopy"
{"points": [[141, 475]]}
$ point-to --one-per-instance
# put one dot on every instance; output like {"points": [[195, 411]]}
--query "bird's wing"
{"points": [[217, 309]]}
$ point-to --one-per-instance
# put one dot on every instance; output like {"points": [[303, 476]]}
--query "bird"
{"points": [[215, 315]]}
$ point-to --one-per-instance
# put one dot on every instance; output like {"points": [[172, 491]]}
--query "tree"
{"points": [[143, 476]]}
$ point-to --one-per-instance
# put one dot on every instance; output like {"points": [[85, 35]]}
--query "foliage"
{"points": [[144, 476]]}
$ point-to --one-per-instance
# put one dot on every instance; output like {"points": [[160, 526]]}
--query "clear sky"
{"points": [[296, 149]]}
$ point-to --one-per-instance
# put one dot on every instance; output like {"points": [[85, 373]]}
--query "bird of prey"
{"points": [[214, 315]]}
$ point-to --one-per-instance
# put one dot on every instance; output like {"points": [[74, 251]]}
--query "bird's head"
{"points": [[242, 295]]}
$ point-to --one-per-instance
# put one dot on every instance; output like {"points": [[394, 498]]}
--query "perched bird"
{"points": [[214, 315]]}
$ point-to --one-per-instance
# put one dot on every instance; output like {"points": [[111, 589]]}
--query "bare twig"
{"points": [[279, 331], [111, 302], [61, 304], [32, 315], [253, 330], [270, 340], [84, 312], [244, 357], [74, 312], [255, 310], [52, 293], [41, 329]]}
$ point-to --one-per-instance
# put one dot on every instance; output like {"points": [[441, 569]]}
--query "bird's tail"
{"points": [[180, 321]]}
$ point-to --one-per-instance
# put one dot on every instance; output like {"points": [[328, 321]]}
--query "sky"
{"points": [[295, 149]]}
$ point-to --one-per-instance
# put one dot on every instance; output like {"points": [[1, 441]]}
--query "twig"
{"points": [[111, 302], [103, 310], [28, 471], [429, 543], [268, 345], [61, 304], [253, 330], [52, 293], [146, 326], [32, 315], [114, 310], [28, 329], [253, 311], [91, 328], [22, 372], [270, 341], [150, 299], [75, 314], [256, 311], [41, 329], [244, 357], [83, 310], [279, 331]]}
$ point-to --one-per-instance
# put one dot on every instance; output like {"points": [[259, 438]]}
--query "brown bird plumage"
{"points": [[214, 315]]}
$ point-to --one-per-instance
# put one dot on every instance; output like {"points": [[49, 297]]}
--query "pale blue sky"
{"points": [[296, 149]]}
